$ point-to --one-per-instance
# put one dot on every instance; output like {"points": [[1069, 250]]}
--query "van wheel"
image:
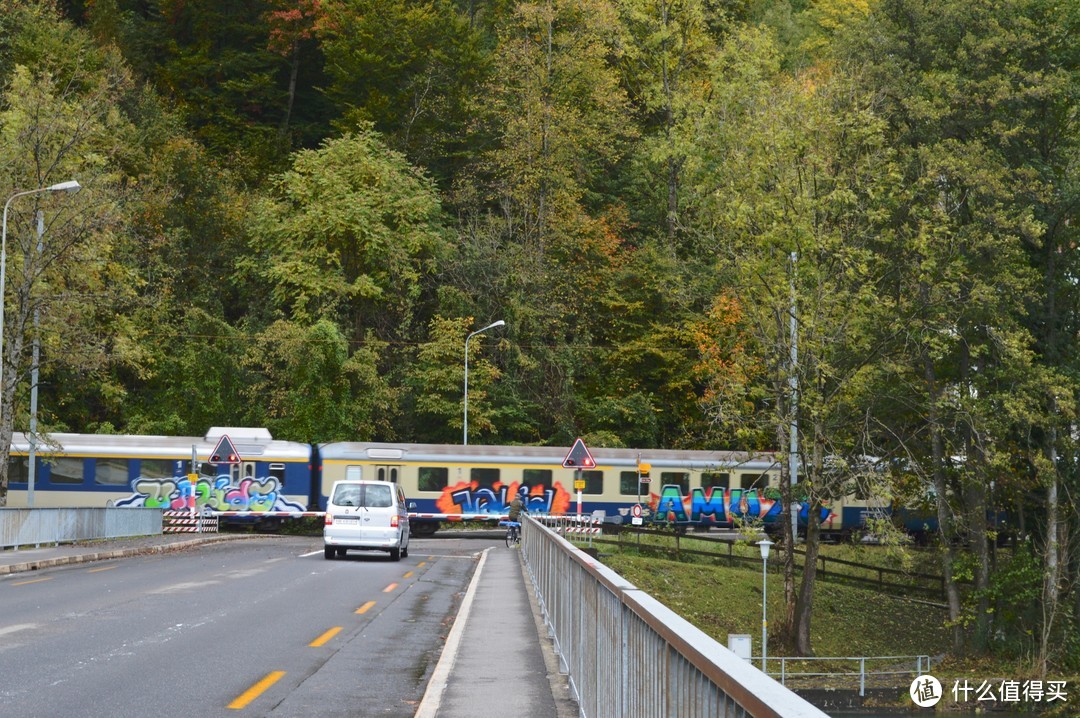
{"points": [[405, 551], [395, 554], [328, 552]]}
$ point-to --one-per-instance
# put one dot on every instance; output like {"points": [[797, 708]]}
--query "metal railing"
{"points": [[34, 527], [888, 666], [626, 654]]}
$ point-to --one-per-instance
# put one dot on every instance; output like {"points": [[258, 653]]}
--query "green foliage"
{"points": [[309, 387], [351, 234]]}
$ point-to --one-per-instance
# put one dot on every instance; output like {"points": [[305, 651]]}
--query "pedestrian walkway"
{"points": [[497, 660]]}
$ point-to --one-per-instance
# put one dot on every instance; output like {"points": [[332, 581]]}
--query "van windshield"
{"points": [[367, 495]]}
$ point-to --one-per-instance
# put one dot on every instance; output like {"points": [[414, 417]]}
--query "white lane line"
{"points": [[18, 627]]}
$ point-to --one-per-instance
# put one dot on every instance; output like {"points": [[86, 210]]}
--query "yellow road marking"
{"points": [[256, 690], [103, 568], [366, 607], [33, 580], [421, 564], [325, 637], [407, 574], [389, 588]]}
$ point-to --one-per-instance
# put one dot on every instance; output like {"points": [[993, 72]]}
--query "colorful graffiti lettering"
{"points": [[215, 494], [470, 498], [718, 505]]}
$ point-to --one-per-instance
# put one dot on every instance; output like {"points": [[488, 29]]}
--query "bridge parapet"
{"points": [[625, 653]]}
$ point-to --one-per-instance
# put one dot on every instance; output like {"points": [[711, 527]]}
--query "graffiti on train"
{"points": [[471, 498], [719, 505], [216, 494]]}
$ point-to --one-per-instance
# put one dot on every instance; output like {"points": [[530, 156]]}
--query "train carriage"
{"points": [[463, 483], [87, 470]]}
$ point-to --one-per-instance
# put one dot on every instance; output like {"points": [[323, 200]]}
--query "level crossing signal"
{"points": [[578, 457], [225, 452]]}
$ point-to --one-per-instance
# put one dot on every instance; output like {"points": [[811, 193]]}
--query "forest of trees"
{"points": [[294, 212]]}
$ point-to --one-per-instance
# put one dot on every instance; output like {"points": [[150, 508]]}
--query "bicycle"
{"points": [[513, 533]]}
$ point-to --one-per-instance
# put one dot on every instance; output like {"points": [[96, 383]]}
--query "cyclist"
{"points": [[513, 518], [516, 507]]}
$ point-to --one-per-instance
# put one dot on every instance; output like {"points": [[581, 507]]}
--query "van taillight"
{"points": [[329, 518], [394, 521]]}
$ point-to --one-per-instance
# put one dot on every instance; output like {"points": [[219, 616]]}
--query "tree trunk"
{"points": [[941, 501], [1052, 575], [293, 70]]}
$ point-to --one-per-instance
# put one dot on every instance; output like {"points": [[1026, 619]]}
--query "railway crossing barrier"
{"points": [[175, 522], [573, 526]]}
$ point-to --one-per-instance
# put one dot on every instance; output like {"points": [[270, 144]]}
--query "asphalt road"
{"points": [[263, 627]]}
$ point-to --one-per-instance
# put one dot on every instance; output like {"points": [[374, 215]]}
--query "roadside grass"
{"points": [[847, 621]]}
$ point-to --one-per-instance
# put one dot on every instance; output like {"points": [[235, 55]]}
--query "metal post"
{"points": [[31, 476], [793, 429], [465, 423], [69, 186], [765, 544], [764, 614]]}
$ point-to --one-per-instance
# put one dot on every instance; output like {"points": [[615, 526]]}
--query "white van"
{"points": [[366, 515]]}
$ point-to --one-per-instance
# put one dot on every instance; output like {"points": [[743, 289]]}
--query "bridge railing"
{"points": [[34, 527], [625, 653]]}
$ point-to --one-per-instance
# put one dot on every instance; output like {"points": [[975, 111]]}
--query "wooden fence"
{"points": [[831, 569]]}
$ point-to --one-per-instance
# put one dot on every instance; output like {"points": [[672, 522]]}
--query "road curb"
{"points": [[44, 563]]}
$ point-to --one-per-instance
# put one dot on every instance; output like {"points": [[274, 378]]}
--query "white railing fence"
{"points": [[34, 527], [626, 654]]}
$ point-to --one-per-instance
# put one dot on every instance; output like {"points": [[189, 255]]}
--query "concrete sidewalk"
{"points": [[497, 661]]}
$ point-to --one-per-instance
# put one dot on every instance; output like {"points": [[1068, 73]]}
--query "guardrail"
{"points": [[888, 666], [625, 653], [34, 527]]}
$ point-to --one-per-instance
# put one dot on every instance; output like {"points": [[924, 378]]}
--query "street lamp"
{"points": [[465, 430], [764, 545], [69, 186]]}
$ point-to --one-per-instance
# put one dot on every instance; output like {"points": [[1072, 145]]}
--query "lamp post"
{"points": [[69, 186], [465, 429], [764, 545]]}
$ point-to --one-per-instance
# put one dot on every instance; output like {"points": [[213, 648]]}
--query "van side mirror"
{"points": [[412, 506]]}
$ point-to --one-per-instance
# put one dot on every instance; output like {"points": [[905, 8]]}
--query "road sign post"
{"points": [[578, 458]]}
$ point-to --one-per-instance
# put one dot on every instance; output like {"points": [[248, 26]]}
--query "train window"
{"points": [[433, 478], [66, 470], [753, 481], [484, 478], [629, 486], [111, 472], [536, 477], [19, 469], [715, 479], [594, 482], [352, 473], [156, 469], [277, 471], [387, 473], [679, 478]]}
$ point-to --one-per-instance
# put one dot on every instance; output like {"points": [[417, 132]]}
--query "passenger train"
{"points": [[246, 474]]}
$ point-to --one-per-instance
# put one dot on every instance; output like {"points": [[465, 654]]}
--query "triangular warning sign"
{"points": [[224, 452], [579, 457]]}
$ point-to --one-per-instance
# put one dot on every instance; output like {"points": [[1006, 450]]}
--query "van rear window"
{"points": [[369, 495]]}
